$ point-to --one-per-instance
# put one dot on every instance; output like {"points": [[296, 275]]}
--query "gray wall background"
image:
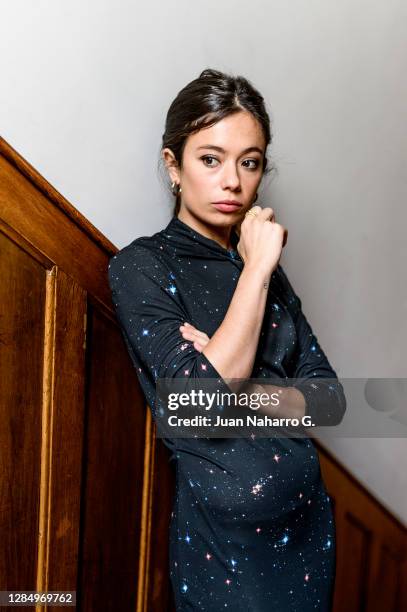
{"points": [[85, 89]]}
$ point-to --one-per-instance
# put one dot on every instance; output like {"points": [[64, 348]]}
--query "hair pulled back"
{"points": [[205, 101]]}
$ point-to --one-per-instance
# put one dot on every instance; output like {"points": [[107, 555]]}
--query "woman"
{"points": [[205, 298]]}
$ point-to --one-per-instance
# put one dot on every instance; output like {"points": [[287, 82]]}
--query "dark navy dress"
{"points": [[252, 525]]}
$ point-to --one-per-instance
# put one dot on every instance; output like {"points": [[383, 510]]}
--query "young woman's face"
{"points": [[222, 162]]}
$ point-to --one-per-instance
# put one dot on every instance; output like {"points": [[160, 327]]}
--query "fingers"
{"points": [[191, 330], [199, 338], [265, 214], [198, 347]]}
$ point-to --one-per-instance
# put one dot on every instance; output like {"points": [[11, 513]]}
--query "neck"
{"points": [[221, 235]]}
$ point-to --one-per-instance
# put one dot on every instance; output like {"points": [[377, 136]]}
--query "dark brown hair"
{"points": [[205, 101]]}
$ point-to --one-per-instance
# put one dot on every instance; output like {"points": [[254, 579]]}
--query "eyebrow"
{"points": [[216, 148]]}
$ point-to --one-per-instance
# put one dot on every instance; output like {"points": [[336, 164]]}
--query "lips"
{"points": [[227, 206]]}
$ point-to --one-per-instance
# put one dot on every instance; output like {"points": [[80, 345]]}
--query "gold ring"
{"points": [[251, 212]]}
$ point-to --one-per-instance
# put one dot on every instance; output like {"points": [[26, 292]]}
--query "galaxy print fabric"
{"points": [[252, 525]]}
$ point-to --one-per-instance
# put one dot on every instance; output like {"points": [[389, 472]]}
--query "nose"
{"points": [[231, 178]]}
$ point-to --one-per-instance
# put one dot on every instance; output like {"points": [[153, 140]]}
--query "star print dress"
{"points": [[252, 524]]}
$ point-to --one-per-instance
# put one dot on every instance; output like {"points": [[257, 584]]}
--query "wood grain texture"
{"points": [[371, 545], [22, 299]]}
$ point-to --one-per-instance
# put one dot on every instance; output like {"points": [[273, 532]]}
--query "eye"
{"points": [[205, 157], [255, 162]]}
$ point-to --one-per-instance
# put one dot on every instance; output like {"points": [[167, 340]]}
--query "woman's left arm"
{"points": [[313, 375]]}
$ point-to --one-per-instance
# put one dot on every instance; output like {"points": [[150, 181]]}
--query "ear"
{"points": [[171, 165]]}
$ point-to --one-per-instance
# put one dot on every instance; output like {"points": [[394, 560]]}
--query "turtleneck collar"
{"points": [[188, 241]]}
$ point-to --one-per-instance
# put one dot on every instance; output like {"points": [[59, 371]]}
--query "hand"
{"points": [[261, 239], [199, 338]]}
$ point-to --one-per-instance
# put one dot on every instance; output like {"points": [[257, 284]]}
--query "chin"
{"points": [[229, 218], [222, 220]]}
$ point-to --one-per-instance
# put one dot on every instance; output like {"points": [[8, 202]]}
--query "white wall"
{"points": [[85, 89]]}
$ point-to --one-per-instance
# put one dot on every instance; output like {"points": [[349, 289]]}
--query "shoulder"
{"points": [[142, 257], [134, 252]]}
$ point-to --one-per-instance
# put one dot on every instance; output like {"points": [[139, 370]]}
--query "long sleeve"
{"points": [[325, 399], [150, 310]]}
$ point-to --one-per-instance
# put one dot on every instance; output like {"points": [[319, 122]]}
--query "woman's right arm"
{"points": [[232, 348]]}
